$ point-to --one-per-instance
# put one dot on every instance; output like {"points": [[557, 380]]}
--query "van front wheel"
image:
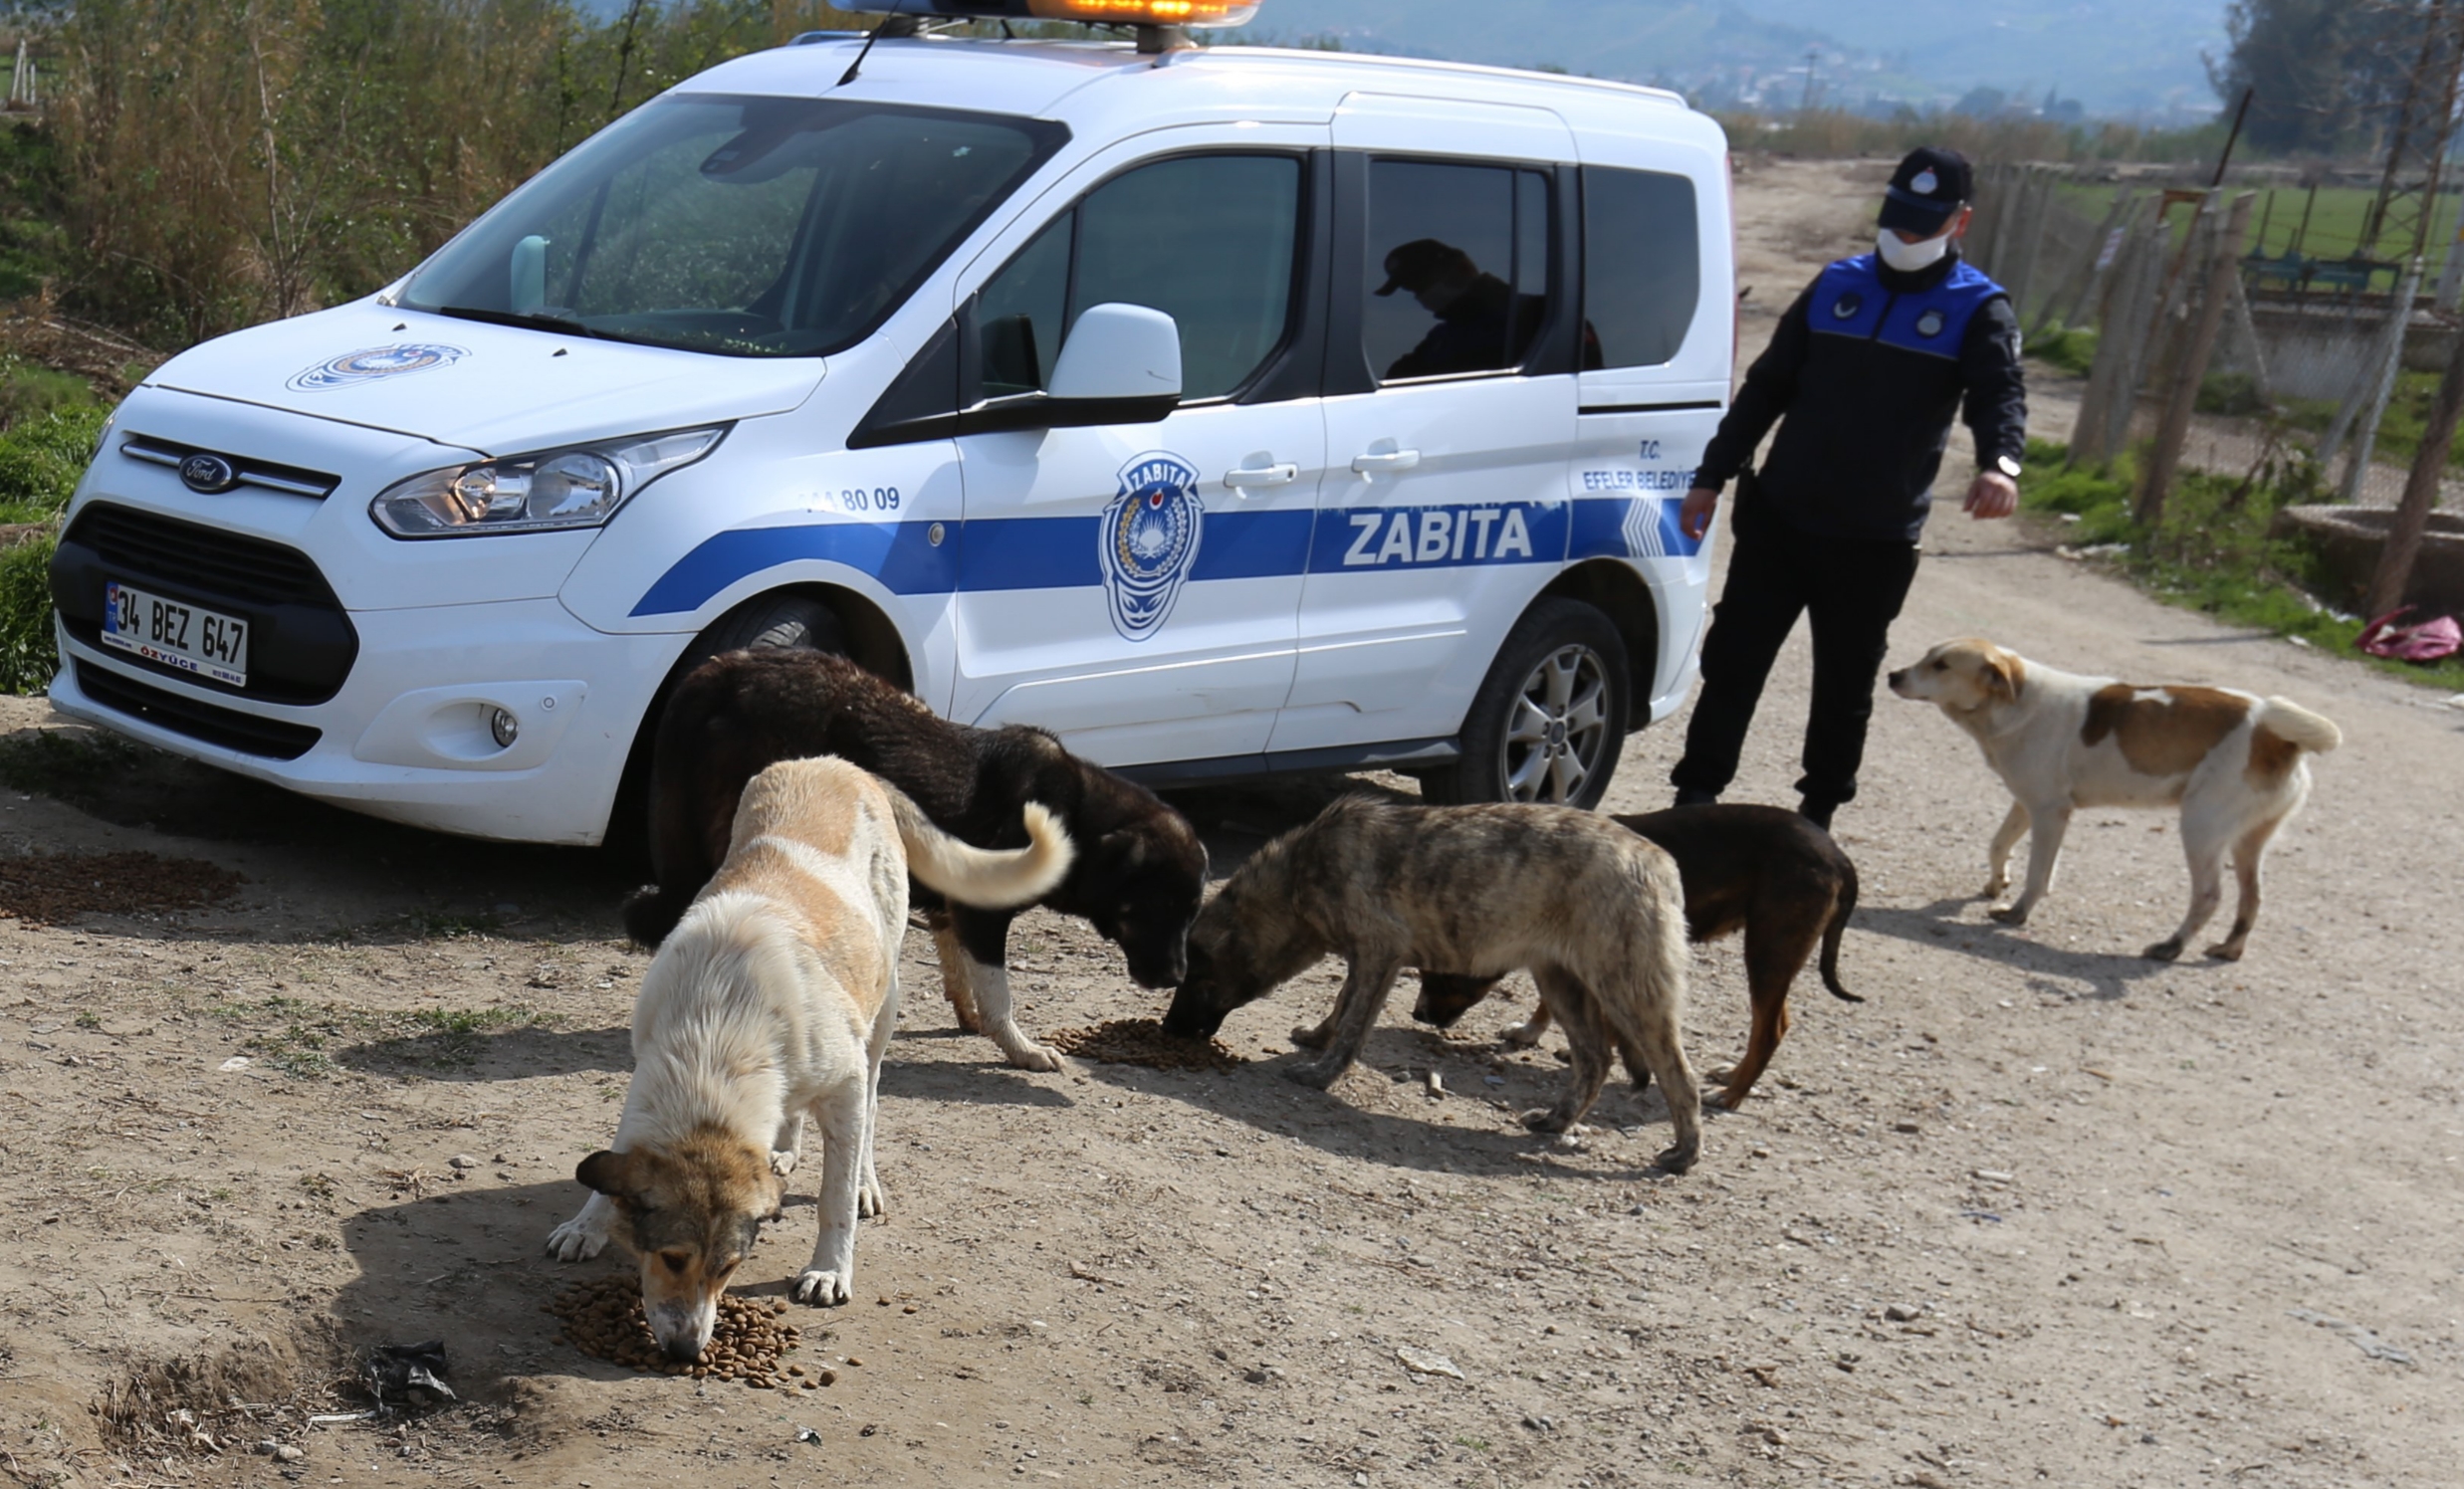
{"points": [[1549, 720]]}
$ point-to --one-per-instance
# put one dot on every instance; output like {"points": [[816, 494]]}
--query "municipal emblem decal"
{"points": [[374, 362], [1149, 539], [1925, 182], [1846, 305], [1929, 323]]}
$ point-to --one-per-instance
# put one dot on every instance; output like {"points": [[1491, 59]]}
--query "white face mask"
{"points": [[1907, 258]]}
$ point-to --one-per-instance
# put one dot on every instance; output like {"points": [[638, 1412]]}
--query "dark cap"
{"points": [[1416, 263], [1929, 185]]}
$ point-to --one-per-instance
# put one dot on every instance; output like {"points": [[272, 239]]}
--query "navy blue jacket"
{"points": [[1869, 368]]}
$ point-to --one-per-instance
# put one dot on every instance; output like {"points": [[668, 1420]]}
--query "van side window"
{"points": [[1642, 266], [1457, 271], [1209, 240]]}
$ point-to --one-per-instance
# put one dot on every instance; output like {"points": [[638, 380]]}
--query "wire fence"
{"points": [[2214, 349]]}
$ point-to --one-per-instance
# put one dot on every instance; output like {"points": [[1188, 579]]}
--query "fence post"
{"points": [[2364, 388], [1997, 209], [2104, 413], [2080, 284], [2413, 514], [2357, 466], [2032, 240], [2191, 368]]}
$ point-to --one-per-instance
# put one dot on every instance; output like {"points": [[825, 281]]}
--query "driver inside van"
{"points": [[1474, 311]]}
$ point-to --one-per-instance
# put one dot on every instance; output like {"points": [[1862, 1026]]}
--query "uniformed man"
{"points": [[1864, 376], [1474, 311]]}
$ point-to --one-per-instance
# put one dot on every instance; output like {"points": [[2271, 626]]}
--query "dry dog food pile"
{"points": [[1142, 1041], [603, 1318], [51, 889]]}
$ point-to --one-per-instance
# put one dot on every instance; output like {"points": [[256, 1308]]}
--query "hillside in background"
{"points": [[2116, 57]]}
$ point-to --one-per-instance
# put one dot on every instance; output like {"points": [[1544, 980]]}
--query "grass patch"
{"points": [[2067, 348], [64, 764], [2211, 551]]}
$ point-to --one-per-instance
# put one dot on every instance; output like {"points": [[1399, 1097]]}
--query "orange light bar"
{"points": [[1148, 12]]}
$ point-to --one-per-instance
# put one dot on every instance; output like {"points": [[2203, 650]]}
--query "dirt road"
{"points": [[2039, 1212]]}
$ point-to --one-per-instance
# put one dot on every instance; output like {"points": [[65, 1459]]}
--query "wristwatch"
{"points": [[2006, 465]]}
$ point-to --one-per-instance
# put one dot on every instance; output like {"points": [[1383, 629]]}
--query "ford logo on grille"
{"points": [[208, 473]]}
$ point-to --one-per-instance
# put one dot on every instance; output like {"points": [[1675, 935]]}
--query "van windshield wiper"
{"points": [[528, 319]]}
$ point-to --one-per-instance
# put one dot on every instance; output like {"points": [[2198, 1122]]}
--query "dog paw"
{"points": [[2010, 915], [2225, 950], [2163, 951], [782, 1161], [574, 1241], [1310, 1036], [1680, 1158], [1995, 888], [1522, 1035], [1318, 1075], [870, 1200], [1547, 1120], [823, 1289], [1723, 1101], [1026, 1054]]}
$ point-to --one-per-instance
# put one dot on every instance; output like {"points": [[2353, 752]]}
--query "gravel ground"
{"points": [[2037, 1212]]}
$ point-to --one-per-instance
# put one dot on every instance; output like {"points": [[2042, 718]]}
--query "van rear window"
{"points": [[1642, 266]]}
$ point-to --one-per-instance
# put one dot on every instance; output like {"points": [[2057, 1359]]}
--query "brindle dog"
{"points": [[1763, 869], [1140, 868], [1590, 909]]}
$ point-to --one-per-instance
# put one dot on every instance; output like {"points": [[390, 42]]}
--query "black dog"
{"points": [[1140, 868], [1764, 868]]}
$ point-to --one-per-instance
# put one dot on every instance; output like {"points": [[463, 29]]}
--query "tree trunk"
{"points": [[2413, 514]]}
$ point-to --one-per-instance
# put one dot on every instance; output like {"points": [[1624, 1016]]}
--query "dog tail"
{"points": [[1841, 908], [987, 878], [2292, 722]]}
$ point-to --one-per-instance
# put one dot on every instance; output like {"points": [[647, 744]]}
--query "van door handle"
{"points": [[1392, 459], [1251, 476]]}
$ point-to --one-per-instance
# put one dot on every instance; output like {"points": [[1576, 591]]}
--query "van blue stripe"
{"points": [[1058, 552]]}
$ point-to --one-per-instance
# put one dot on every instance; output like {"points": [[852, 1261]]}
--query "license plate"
{"points": [[193, 639]]}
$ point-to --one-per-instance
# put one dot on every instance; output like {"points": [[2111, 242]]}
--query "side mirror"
{"points": [[1120, 366], [1119, 354]]}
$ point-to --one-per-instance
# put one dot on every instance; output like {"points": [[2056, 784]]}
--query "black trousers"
{"points": [[1852, 588]]}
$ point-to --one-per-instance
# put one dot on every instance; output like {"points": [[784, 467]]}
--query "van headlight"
{"points": [[580, 487]]}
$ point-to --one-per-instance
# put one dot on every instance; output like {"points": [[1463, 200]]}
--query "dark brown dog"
{"points": [[1763, 868], [1139, 871]]}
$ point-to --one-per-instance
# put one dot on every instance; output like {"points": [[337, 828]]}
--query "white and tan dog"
{"points": [[2232, 762], [773, 1000]]}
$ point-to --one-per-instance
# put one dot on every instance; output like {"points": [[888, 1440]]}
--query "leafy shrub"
{"points": [[40, 462]]}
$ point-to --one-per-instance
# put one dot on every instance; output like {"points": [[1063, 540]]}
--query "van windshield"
{"points": [[745, 226]]}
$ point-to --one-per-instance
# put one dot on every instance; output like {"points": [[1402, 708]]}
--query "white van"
{"points": [[1224, 411]]}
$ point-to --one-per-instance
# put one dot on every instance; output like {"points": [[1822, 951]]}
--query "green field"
{"points": [[2277, 221]]}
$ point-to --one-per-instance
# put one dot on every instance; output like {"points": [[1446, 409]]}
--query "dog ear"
{"points": [[608, 1174], [2002, 676]]}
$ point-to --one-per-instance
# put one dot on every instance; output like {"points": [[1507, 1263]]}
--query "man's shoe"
{"points": [[1818, 812], [1694, 796]]}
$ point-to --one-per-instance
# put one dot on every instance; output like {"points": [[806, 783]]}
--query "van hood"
{"points": [[497, 389]]}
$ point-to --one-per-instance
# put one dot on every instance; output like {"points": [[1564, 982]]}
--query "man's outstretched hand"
{"points": [[1990, 495], [1693, 517]]}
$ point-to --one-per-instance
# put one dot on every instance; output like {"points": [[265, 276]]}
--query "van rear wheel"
{"points": [[1549, 720]]}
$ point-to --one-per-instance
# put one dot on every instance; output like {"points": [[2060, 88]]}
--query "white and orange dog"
{"points": [[772, 1001], [2232, 762]]}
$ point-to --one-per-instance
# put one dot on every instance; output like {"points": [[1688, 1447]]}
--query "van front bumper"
{"points": [[412, 734]]}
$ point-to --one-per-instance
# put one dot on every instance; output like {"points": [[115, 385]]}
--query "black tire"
{"points": [[1549, 720], [766, 622], [771, 620]]}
